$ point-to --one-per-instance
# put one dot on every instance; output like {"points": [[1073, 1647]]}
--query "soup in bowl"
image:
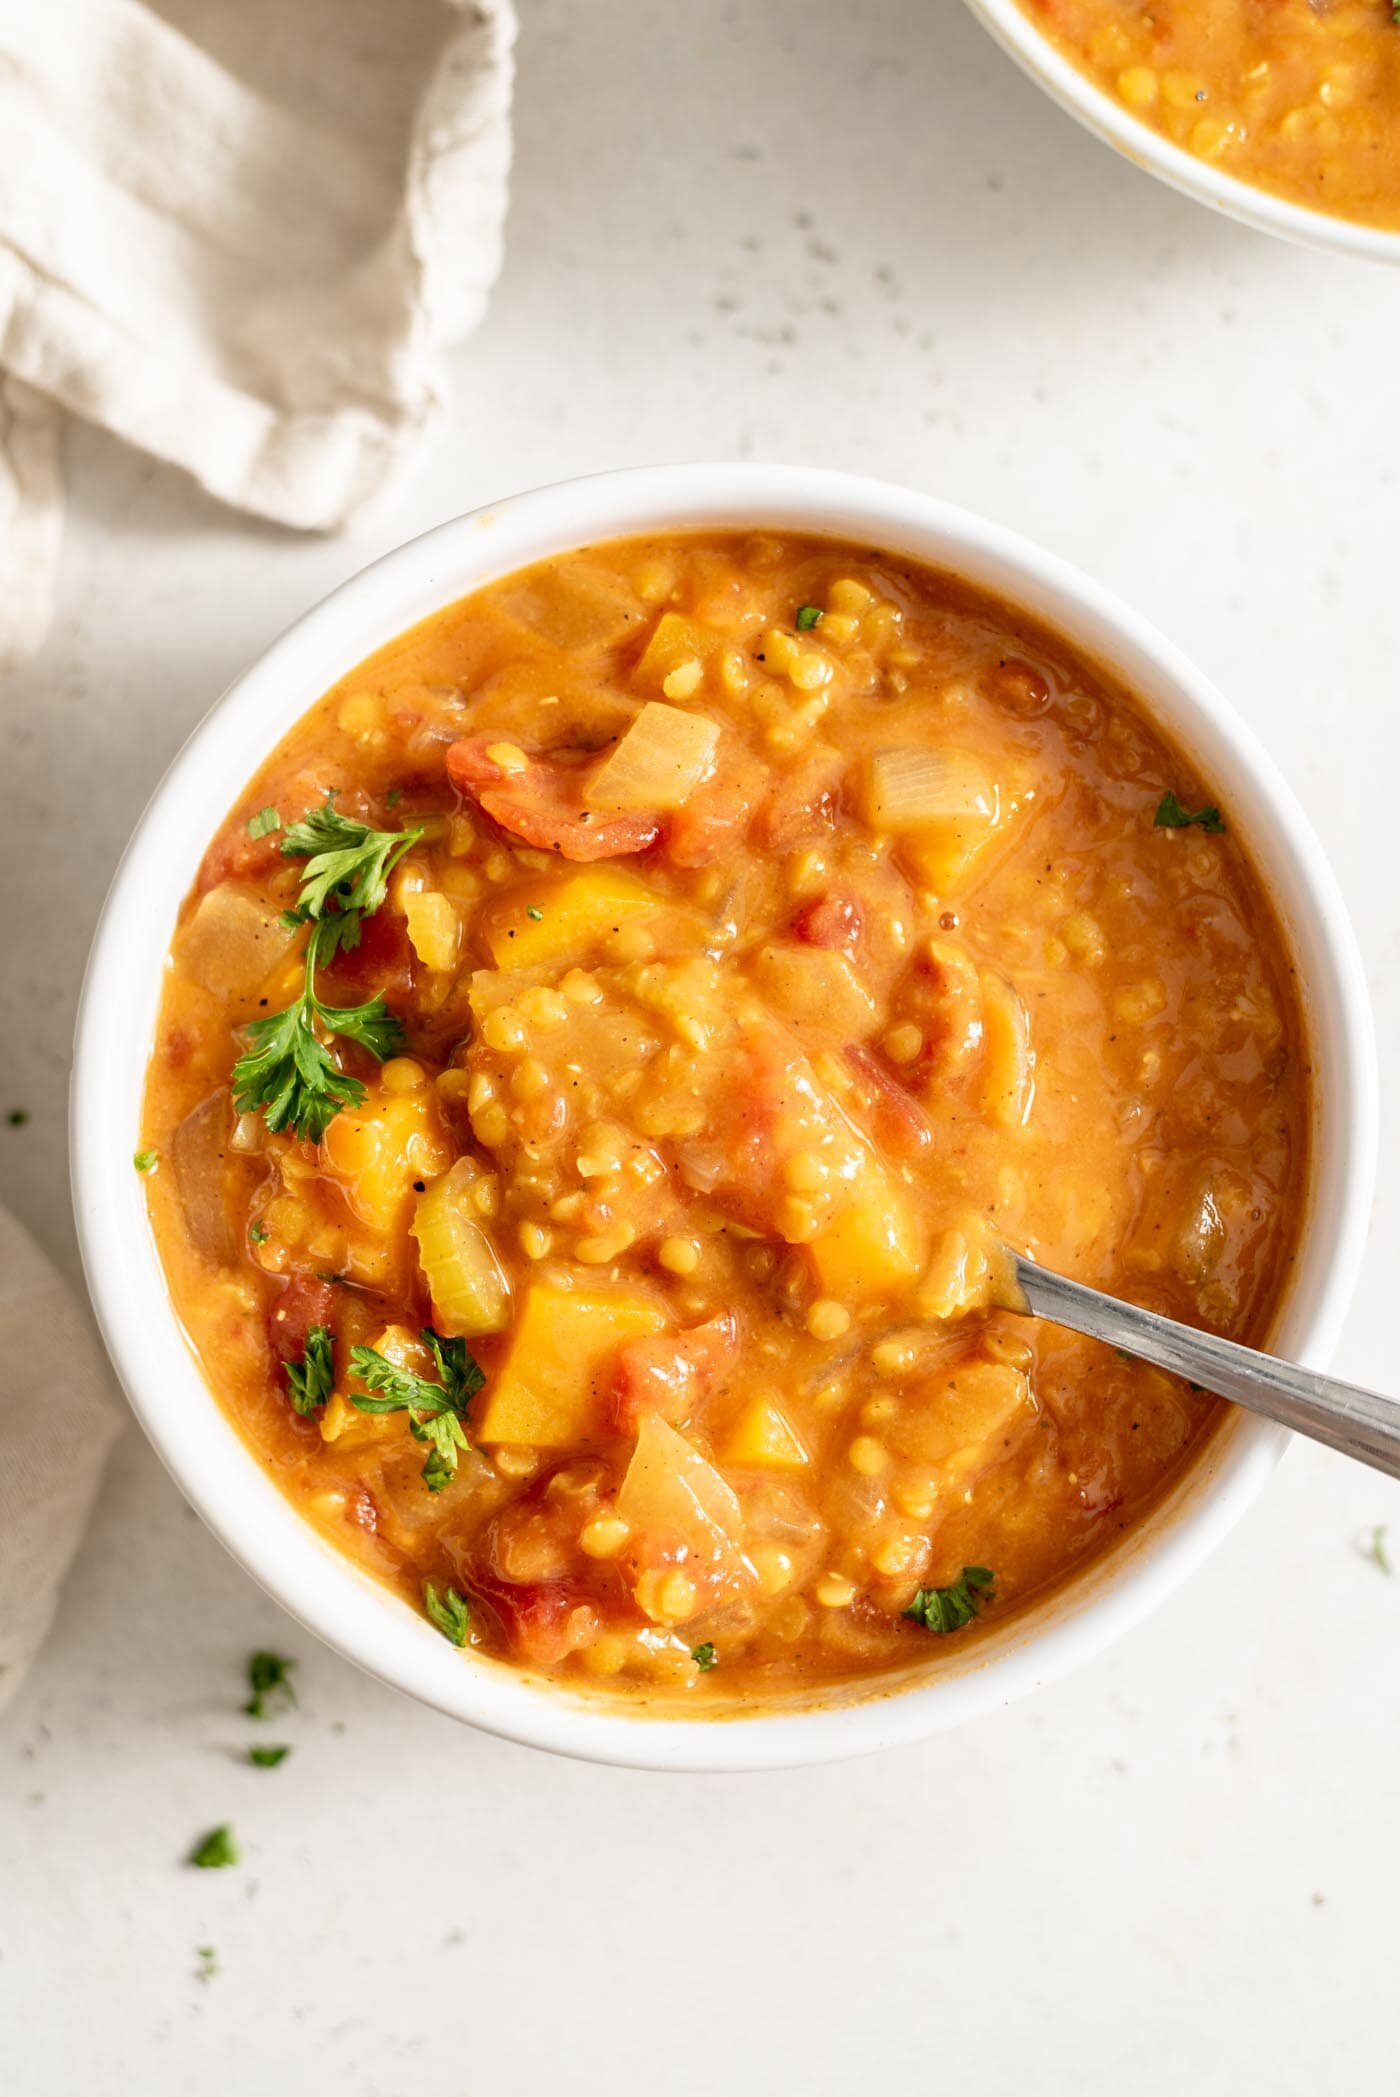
{"points": [[598, 1057], [1279, 112]]}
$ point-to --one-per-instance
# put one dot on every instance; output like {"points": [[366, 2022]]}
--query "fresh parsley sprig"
{"points": [[347, 871], [288, 1074], [435, 1411], [950, 1608]]}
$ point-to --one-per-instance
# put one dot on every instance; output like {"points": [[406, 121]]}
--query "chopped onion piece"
{"points": [[909, 788], [662, 758]]}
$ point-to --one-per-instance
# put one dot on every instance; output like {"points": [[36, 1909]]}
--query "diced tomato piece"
{"points": [[305, 1301], [900, 1123], [543, 1620], [801, 805], [383, 964], [543, 805], [716, 816], [830, 921], [672, 1374]]}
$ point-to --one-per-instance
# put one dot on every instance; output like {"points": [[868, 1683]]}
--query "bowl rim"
{"points": [[1008, 22], [332, 1597]]}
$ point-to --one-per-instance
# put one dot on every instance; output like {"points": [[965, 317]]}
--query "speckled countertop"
{"points": [[850, 235]]}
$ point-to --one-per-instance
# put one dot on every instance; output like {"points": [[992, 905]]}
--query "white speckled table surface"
{"points": [[851, 235]]}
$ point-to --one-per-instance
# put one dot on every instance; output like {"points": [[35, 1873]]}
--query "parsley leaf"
{"points": [[264, 822], [270, 1679], [348, 865], [534, 913], [215, 1850], [1171, 815], [258, 1231], [807, 617], [435, 1410], [312, 1377], [950, 1608], [1376, 1550], [287, 1073], [208, 1962], [17, 1117], [267, 1757], [447, 1609], [145, 1160], [705, 1657]]}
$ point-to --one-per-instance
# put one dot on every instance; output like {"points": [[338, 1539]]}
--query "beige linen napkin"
{"points": [[57, 1422], [238, 236]]}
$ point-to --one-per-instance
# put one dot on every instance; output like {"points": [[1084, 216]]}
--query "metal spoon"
{"points": [[1341, 1415]]}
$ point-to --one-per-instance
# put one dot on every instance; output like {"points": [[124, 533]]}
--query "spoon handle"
{"points": [[1341, 1415]]}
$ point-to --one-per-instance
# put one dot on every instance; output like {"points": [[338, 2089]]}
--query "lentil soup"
{"points": [[1299, 97], [602, 1053]]}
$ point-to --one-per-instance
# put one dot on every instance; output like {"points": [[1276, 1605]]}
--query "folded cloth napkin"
{"points": [[239, 237], [56, 1426]]}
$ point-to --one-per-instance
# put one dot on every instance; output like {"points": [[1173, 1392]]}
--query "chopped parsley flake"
{"points": [[215, 1850], [311, 1379], [950, 1608], [533, 912], [807, 617], [270, 1679], [17, 1117], [264, 822], [145, 1160], [259, 1233], [447, 1609], [267, 1757], [1171, 815], [208, 1962], [705, 1657], [1376, 1550]]}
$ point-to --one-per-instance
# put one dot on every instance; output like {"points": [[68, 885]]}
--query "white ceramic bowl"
{"points": [[117, 1017], [1146, 148]]}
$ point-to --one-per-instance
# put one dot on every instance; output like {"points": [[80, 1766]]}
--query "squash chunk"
{"points": [[550, 1388], [871, 1246], [560, 921], [764, 1437], [675, 641]]}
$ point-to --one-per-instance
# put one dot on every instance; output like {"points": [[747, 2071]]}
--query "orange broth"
{"points": [[788, 925]]}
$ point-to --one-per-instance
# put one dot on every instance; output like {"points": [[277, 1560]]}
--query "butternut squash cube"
{"points": [[677, 640], [871, 1246], [764, 1437], [549, 921], [546, 1394]]}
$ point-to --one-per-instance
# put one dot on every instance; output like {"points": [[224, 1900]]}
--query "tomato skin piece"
{"points": [[383, 964], [900, 1123], [539, 1618], [305, 1301], [830, 921], [671, 1374], [543, 805], [715, 818]]}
